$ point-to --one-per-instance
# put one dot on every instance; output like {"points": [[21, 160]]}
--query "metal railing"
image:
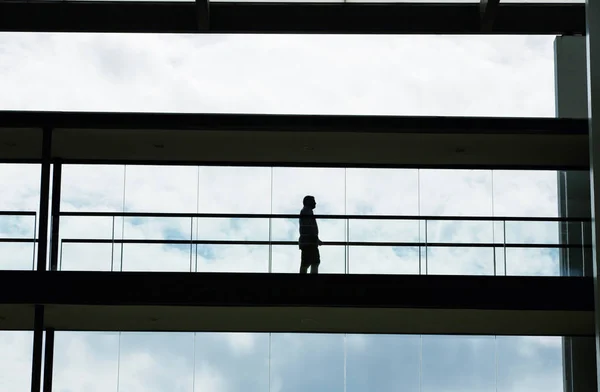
{"points": [[420, 219]]}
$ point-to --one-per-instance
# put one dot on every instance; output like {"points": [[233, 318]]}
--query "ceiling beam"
{"points": [[288, 18], [521, 293], [228, 302], [261, 319], [298, 140]]}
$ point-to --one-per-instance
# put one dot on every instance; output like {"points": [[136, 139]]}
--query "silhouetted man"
{"points": [[309, 237]]}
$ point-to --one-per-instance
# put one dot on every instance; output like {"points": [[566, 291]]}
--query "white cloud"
{"points": [[430, 75], [241, 343]]}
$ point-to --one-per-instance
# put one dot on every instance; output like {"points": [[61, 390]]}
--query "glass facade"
{"points": [[429, 234], [127, 361]]}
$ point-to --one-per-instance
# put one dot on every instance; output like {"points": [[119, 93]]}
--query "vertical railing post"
{"points": [[191, 242], [112, 246], [347, 247], [420, 250], [504, 244], [494, 243], [426, 249], [55, 215], [583, 249], [35, 241], [270, 267]]}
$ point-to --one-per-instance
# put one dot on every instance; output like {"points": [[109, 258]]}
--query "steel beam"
{"points": [[293, 303], [300, 140], [44, 200], [288, 18]]}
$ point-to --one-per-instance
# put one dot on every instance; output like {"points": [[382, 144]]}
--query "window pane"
{"points": [[461, 363], [456, 192], [157, 258], [290, 185], [233, 362], [532, 262], [86, 361], [533, 232], [161, 189], [89, 257], [382, 191], [16, 360], [530, 363], [234, 190], [232, 229], [525, 193], [384, 363], [232, 258], [371, 230], [475, 232], [460, 261], [384, 260], [307, 362], [19, 204], [154, 361], [92, 188]]}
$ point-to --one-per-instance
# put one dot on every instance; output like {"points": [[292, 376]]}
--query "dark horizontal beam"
{"points": [[263, 319], [289, 18], [298, 140], [241, 289], [295, 123], [97, 301]]}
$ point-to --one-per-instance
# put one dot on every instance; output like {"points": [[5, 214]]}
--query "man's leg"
{"points": [[304, 262], [314, 269], [315, 261]]}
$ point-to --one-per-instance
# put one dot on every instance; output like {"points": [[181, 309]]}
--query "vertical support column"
{"points": [[54, 234], [38, 337], [579, 358], [48, 360], [44, 200], [592, 16], [38, 327]]}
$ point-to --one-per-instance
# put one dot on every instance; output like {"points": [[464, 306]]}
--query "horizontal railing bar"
{"points": [[17, 213], [328, 243], [296, 216], [21, 240]]}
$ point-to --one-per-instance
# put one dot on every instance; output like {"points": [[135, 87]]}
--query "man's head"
{"points": [[309, 201]]}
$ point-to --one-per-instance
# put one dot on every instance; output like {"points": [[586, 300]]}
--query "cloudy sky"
{"points": [[498, 76]]}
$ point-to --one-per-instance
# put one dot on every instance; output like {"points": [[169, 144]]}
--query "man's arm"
{"points": [[309, 229]]}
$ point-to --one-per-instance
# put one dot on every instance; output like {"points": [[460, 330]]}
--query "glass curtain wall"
{"points": [[173, 239], [262, 362]]}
